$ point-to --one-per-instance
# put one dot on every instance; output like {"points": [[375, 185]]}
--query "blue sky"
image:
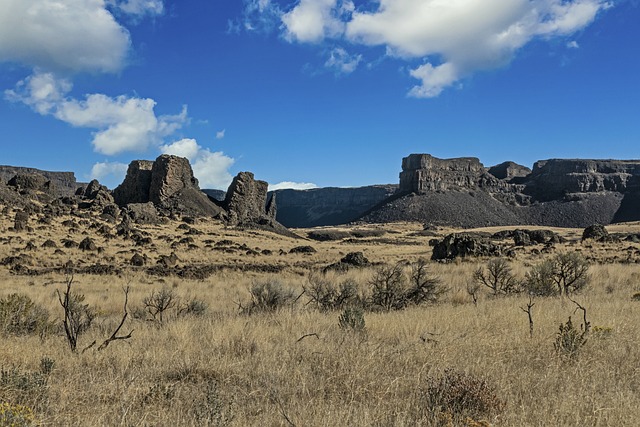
{"points": [[315, 92]]}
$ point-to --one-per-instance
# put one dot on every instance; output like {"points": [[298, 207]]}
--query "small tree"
{"points": [[157, 303], [423, 286], [498, 277], [570, 272], [388, 288], [562, 274]]}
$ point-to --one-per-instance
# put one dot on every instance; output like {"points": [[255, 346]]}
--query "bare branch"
{"points": [[114, 336], [313, 334]]}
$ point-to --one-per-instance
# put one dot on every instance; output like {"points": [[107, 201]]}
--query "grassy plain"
{"points": [[296, 366]]}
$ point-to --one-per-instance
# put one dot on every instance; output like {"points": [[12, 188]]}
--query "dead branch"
{"points": [[114, 336], [530, 304], [313, 334], [586, 324]]}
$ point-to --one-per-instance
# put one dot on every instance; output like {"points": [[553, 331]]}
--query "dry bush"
{"points": [[159, 302], [352, 320], [268, 296], [325, 295], [563, 274], [569, 339], [458, 396], [497, 276], [19, 315], [391, 289]]}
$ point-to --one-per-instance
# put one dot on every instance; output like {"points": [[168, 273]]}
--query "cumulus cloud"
{"points": [[342, 62], [62, 35], [220, 134], [138, 8], [452, 39], [122, 123], [109, 173], [292, 185], [210, 168]]}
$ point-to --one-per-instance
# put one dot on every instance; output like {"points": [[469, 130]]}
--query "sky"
{"points": [[315, 93]]}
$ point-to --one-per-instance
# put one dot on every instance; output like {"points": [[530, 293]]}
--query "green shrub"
{"points": [[569, 339], [268, 296], [24, 388], [539, 280], [16, 415], [193, 307], [19, 315]]}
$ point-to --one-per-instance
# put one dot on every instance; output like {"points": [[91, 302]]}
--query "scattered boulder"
{"points": [[352, 259], [49, 244], [168, 260], [596, 232], [87, 244], [138, 260], [521, 238], [463, 245], [21, 221], [303, 250], [143, 213]]}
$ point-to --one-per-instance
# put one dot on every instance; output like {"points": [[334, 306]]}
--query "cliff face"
{"points": [[63, 183], [557, 192], [555, 178], [328, 206]]}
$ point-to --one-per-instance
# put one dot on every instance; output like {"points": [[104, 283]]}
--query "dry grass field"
{"points": [[452, 362]]}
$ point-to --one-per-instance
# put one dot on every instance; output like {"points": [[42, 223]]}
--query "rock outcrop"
{"points": [[561, 193], [169, 184], [247, 203], [464, 245], [62, 183]]}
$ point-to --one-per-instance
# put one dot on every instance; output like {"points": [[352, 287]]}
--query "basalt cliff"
{"points": [[558, 192]]}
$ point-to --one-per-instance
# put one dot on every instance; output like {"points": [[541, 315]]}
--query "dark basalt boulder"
{"points": [[596, 232], [463, 245]]}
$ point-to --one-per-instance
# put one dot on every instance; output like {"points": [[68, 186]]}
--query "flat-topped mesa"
{"points": [[62, 183], [423, 172], [554, 178]]}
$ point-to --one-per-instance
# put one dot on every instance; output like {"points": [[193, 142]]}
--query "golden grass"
{"points": [[257, 371]]}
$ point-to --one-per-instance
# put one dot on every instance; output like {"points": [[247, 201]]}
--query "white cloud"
{"points": [[109, 173], [312, 21], [292, 185], [122, 123], [452, 38], [63, 35], [342, 62], [210, 168], [139, 7], [573, 45], [220, 134]]}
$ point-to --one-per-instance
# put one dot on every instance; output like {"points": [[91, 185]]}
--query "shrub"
{"points": [[424, 287], [498, 277], [389, 288], [570, 272], [327, 296], [19, 315], [352, 319], [159, 302], [268, 296], [457, 396], [569, 339], [193, 307], [392, 290], [539, 280], [16, 415], [77, 315], [24, 388], [563, 274]]}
